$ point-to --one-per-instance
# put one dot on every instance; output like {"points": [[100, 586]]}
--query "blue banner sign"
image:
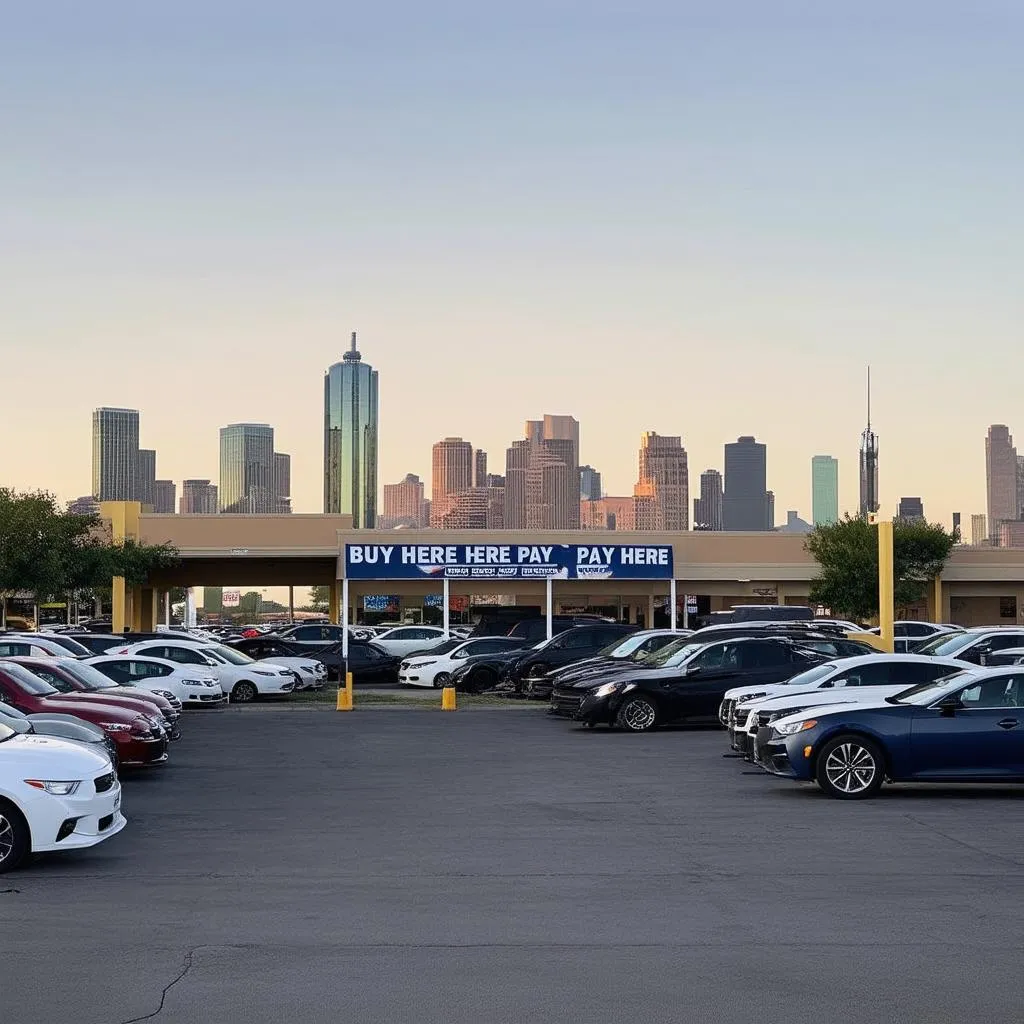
{"points": [[508, 561]]}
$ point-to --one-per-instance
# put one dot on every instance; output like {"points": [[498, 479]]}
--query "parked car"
{"points": [[54, 795], [99, 643], [17, 646], [574, 644], [403, 640], [908, 634], [481, 672], [1011, 656], [189, 684], [62, 727], [76, 677], [632, 649], [241, 678], [369, 664], [645, 698], [140, 740], [964, 728], [842, 681], [310, 672], [435, 668], [319, 635], [532, 630], [69, 643], [973, 645]]}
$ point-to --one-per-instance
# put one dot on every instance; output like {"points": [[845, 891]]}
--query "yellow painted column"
{"points": [[334, 612], [936, 601], [886, 611], [118, 601], [136, 612]]}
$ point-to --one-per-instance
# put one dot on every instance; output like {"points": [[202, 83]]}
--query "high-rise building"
{"points": [[663, 488], [476, 508], [1000, 479], [956, 528], [542, 480], [868, 464], [350, 439], [479, 468], [1020, 486], [198, 497], [282, 482], [745, 503], [708, 508], [517, 461], [404, 504], [115, 454], [165, 493], [87, 505], [590, 483], [910, 510], [145, 477], [979, 529], [824, 490], [608, 513], [247, 469], [770, 502], [451, 473]]}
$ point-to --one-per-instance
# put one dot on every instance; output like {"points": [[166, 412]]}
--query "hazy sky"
{"points": [[696, 218]]}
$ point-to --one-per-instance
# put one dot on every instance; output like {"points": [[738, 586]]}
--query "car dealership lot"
{"points": [[394, 865]]}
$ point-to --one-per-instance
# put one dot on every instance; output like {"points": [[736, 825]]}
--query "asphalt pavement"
{"points": [[394, 866]]}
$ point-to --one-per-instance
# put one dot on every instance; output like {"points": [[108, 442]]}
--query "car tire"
{"points": [[850, 767], [538, 669], [15, 837], [637, 714], [441, 680], [480, 680], [244, 692]]}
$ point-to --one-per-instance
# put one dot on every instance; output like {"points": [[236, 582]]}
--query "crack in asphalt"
{"points": [[185, 968]]}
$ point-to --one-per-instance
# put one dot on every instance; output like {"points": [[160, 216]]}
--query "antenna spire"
{"points": [[869, 391], [353, 349]]}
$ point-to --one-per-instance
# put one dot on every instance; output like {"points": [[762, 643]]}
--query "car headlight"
{"points": [[790, 728], [776, 715], [53, 788], [264, 672], [606, 690], [422, 664], [115, 727], [750, 696], [164, 693]]}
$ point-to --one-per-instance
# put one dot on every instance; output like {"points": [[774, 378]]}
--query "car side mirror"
{"points": [[693, 670], [950, 704]]}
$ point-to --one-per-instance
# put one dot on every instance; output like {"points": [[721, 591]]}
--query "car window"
{"points": [[656, 642], [307, 633], [116, 670], [54, 680], [1000, 692], [760, 654], [358, 654], [724, 656], [867, 675], [331, 632], [13, 650], [1003, 642], [576, 639]]}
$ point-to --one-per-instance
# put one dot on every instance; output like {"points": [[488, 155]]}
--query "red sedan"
{"points": [[140, 740]]}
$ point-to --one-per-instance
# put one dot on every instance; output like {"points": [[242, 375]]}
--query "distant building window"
{"points": [[1007, 607]]}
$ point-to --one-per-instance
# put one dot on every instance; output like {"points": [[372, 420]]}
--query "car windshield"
{"points": [[91, 678], [812, 677], [448, 645], [212, 655], [230, 655], [672, 655], [29, 681], [925, 693], [944, 646], [622, 648], [6, 732]]}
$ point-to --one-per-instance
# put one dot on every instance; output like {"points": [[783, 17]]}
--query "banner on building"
{"points": [[381, 603], [508, 561], [231, 598]]}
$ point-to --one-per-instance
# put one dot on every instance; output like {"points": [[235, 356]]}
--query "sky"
{"points": [[701, 219]]}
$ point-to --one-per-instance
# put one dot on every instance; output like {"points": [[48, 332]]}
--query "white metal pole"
{"points": [[548, 589], [672, 602], [291, 603], [167, 607], [445, 612], [344, 619], [686, 612]]}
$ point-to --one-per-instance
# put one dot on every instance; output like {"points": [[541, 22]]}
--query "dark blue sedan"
{"points": [[968, 727]]}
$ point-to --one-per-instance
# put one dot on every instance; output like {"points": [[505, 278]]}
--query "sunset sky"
{"points": [[697, 218]]}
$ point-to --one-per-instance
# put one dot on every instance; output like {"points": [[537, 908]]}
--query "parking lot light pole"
{"points": [[446, 613], [672, 603], [547, 591], [344, 620]]}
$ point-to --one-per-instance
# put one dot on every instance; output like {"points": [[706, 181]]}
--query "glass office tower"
{"points": [[824, 490], [350, 439], [115, 454], [247, 469]]}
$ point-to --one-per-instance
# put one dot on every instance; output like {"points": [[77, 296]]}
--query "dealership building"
{"points": [[707, 571]]}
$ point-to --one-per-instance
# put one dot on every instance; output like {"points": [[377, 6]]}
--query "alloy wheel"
{"points": [[441, 680], [243, 693], [639, 715], [850, 768], [6, 839]]}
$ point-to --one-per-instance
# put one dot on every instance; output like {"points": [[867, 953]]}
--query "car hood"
{"points": [[85, 705], [820, 698], [629, 674], [818, 710], [154, 700], [44, 755], [67, 727]]}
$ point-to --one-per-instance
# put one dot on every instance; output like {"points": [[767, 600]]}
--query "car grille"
{"points": [[739, 714], [763, 718], [725, 711], [104, 782], [565, 704]]}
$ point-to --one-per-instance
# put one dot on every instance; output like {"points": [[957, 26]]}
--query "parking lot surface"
{"points": [[493, 866]]}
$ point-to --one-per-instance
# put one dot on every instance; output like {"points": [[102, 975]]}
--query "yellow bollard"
{"points": [[345, 694], [448, 698]]}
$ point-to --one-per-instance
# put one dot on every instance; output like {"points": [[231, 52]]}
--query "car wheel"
{"points": [[537, 670], [15, 839], [850, 768], [482, 679], [638, 714], [441, 680], [244, 693]]}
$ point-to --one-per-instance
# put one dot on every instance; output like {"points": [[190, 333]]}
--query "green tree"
{"points": [[319, 599], [847, 552], [250, 604]]}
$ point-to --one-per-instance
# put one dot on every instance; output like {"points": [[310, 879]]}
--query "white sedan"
{"points": [[241, 678], [54, 795], [190, 684], [403, 640], [436, 669], [32, 647]]}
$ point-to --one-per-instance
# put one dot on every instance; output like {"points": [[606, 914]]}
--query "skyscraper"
{"points": [[542, 477], [479, 468], [590, 483], [404, 504], [247, 469], [979, 529], [164, 494], [87, 505], [1000, 478], [770, 503], [350, 439], [745, 503], [115, 454], [708, 508], [663, 488], [868, 463], [910, 510], [145, 478], [824, 490], [451, 472], [282, 482], [1020, 486], [198, 497]]}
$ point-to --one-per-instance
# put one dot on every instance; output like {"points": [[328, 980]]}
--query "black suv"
{"points": [[571, 645], [648, 697]]}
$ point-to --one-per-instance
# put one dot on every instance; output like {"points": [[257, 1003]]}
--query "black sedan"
{"points": [[648, 697], [964, 728], [369, 663]]}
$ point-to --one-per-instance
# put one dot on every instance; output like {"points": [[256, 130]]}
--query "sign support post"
{"points": [[344, 620], [672, 603], [446, 613], [547, 590]]}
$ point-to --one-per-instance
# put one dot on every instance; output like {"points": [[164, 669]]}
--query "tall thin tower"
{"points": [[868, 463]]}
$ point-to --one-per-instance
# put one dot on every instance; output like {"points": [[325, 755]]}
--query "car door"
{"points": [[981, 737], [359, 664], [698, 690], [380, 667]]}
